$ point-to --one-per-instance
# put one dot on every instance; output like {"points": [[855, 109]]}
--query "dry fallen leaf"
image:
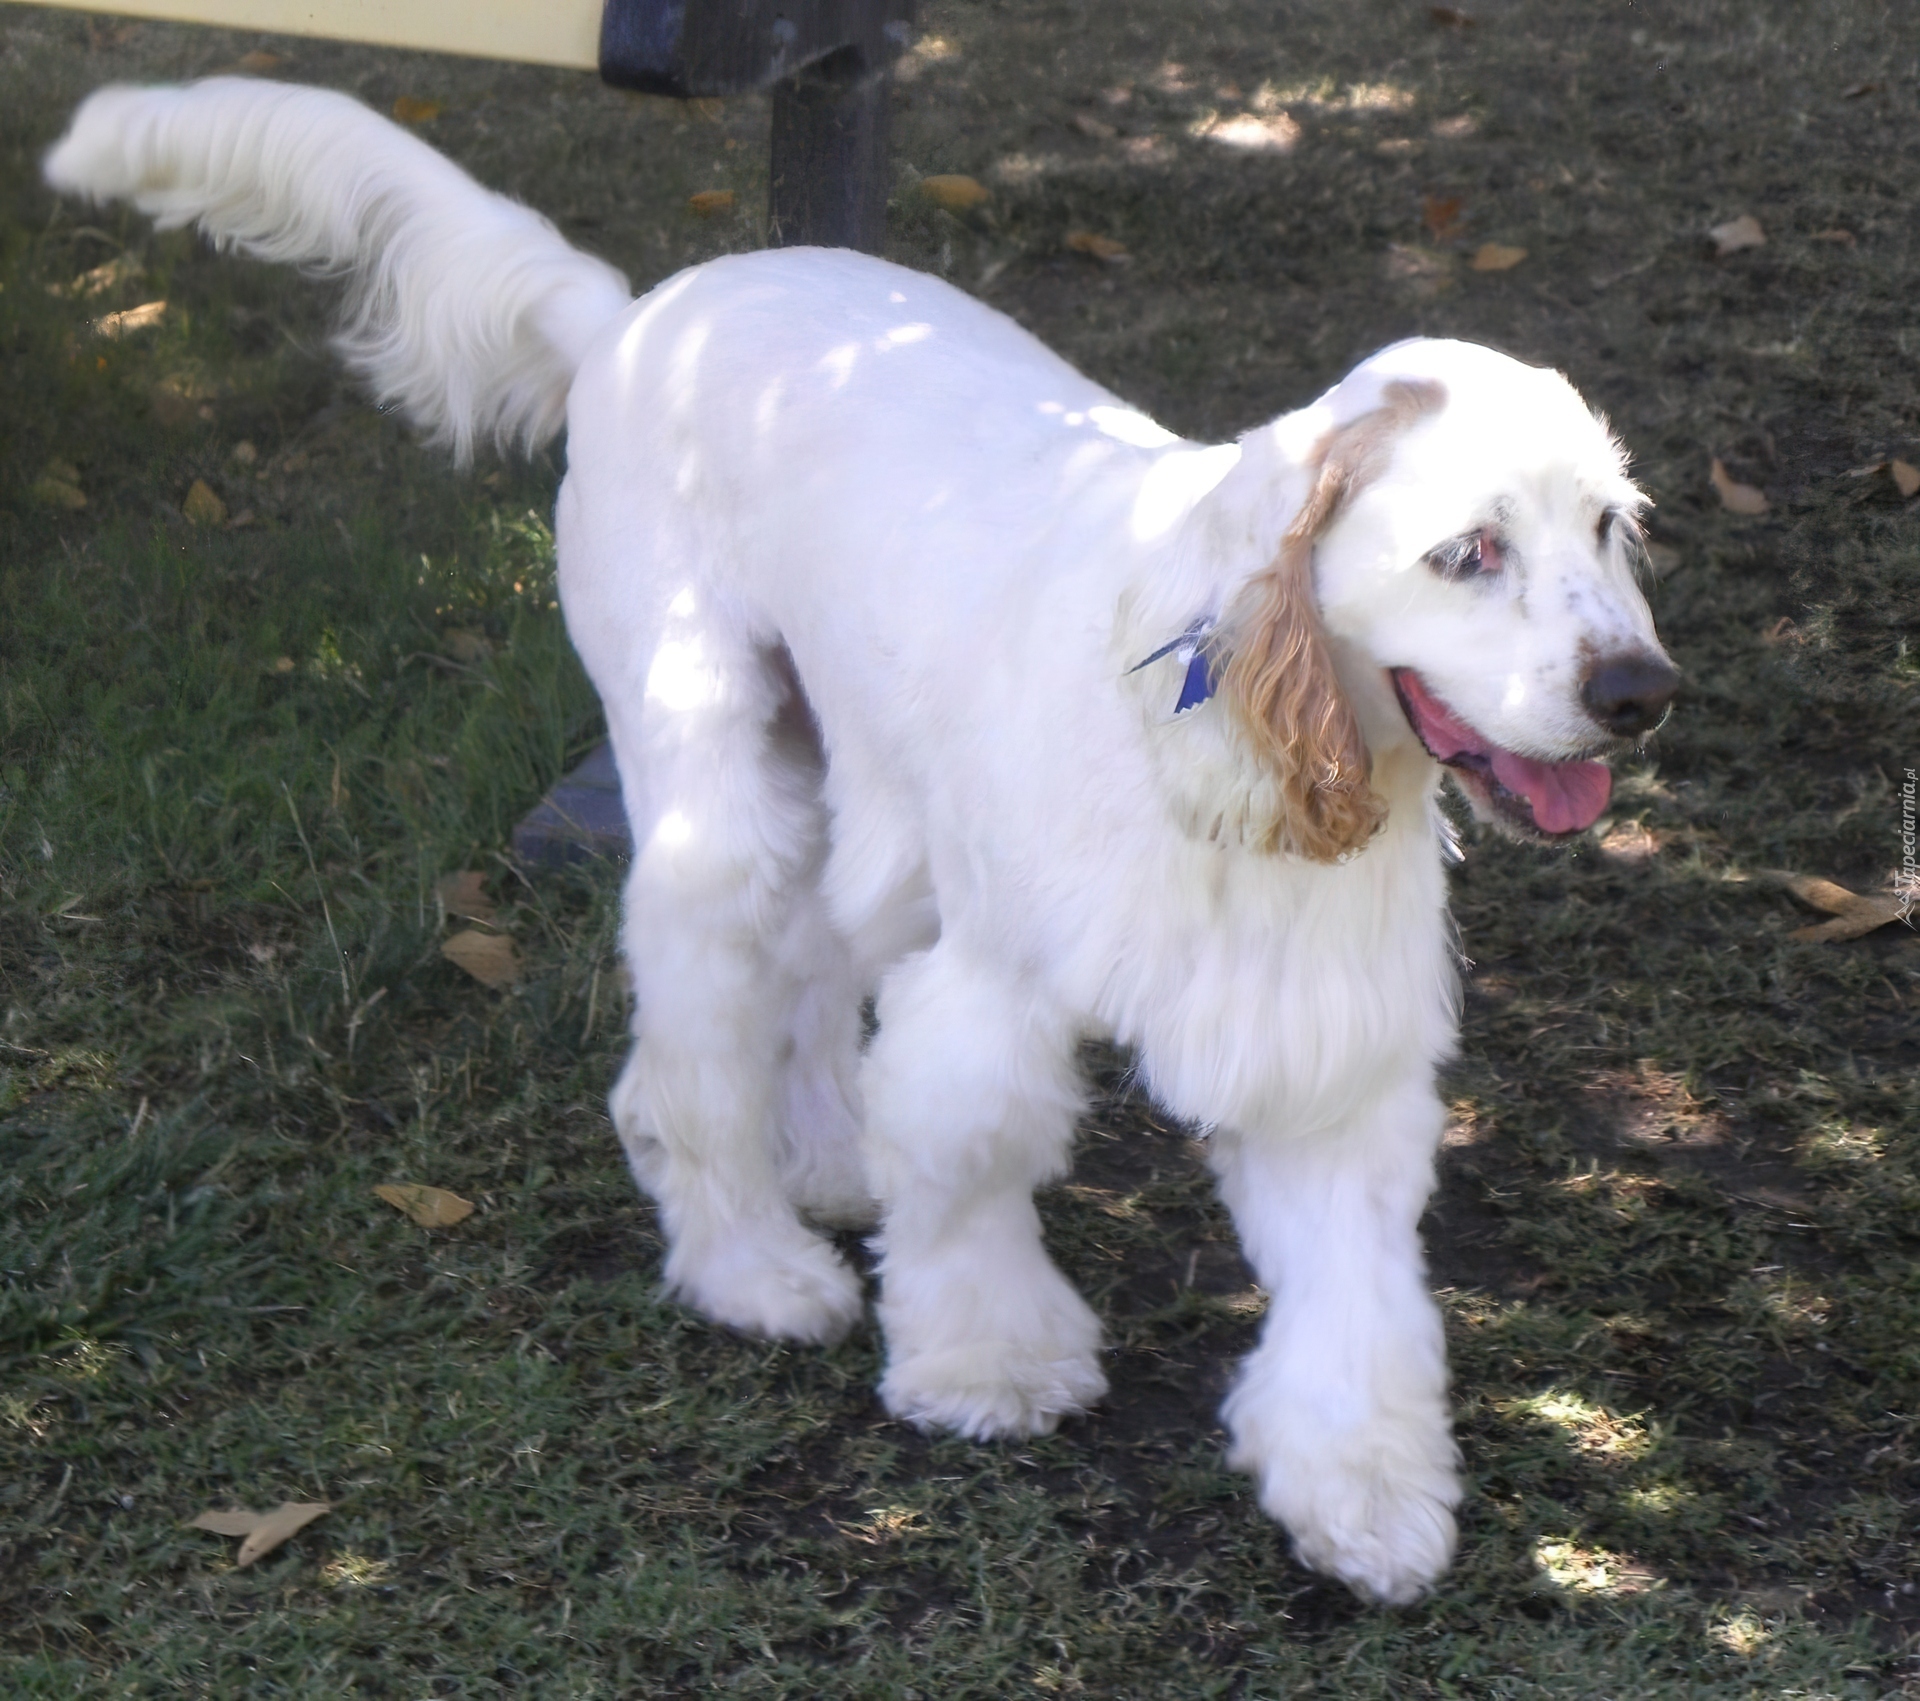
{"points": [[1854, 914], [141, 318], [1736, 234], [466, 645], [1855, 90], [1098, 128], [1845, 238], [1441, 215], [410, 109], [1496, 257], [1906, 477], [59, 486], [710, 201], [111, 275], [430, 1207], [1451, 17], [1098, 247], [1735, 496], [489, 957], [264, 1531], [202, 507], [465, 894], [956, 192]]}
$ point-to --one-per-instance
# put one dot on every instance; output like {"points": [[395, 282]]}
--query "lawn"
{"points": [[270, 671]]}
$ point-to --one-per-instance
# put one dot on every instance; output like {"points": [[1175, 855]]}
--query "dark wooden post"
{"points": [[828, 63], [829, 176]]}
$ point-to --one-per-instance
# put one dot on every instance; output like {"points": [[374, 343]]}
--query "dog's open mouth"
{"points": [[1541, 799]]}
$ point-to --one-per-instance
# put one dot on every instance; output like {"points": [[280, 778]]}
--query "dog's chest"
{"points": [[1282, 995]]}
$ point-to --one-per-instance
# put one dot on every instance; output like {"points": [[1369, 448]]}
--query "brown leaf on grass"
{"points": [[430, 1207], [1451, 18], [1496, 257], [710, 201], [1736, 234], [202, 507], [1906, 477], [1097, 247], [141, 318], [466, 645], [1845, 238], [955, 191], [1737, 497], [1855, 914], [1441, 215], [110, 274], [410, 109], [1855, 90], [1098, 128], [489, 957], [465, 894], [59, 486], [264, 1531]]}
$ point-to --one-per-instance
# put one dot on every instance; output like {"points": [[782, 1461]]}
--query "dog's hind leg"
{"points": [[722, 940], [821, 1168], [971, 1092]]}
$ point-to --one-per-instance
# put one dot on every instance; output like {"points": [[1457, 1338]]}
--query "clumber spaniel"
{"points": [[935, 672]]}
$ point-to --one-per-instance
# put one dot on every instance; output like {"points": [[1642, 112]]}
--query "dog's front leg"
{"points": [[1341, 1412], [971, 1093]]}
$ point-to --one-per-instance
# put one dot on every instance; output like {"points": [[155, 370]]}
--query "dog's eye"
{"points": [[1469, 556], [1603, 531]]}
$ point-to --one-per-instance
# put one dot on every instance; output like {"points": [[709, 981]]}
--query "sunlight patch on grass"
{"points": [[1835, 1143], [1593, 1570], [1325, 95], [22, 1412], [1660, 1499], [87, 1360], [884, 1524], [356, 1571], [1591, 1429], [1790, 1300], [1744, 1633]]}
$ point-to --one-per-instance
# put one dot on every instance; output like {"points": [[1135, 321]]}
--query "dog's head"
{"points": [[1461, 571]]}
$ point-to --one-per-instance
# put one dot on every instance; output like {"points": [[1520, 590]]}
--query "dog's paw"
{"points": [[988, 1389], [789, 1286], [1373, 1508]]}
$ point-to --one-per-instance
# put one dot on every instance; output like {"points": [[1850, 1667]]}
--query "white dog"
{"points": [[934, 671]]}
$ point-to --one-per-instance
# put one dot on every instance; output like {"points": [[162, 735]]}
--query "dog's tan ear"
{"points": [[1280, 680]]}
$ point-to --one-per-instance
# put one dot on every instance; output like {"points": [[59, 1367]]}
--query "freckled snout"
{"points": [[1629, 694]]}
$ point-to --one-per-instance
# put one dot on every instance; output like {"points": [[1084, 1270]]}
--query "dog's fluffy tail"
{"points": [[465, 308]]}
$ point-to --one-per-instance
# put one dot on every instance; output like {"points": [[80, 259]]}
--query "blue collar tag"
{"points": [[1203, 661]]}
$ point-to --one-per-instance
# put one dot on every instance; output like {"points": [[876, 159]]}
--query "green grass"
{"points": [[1675, 1234]]}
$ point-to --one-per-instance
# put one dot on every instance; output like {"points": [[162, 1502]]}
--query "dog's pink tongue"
{"points": [[1566, 797]]}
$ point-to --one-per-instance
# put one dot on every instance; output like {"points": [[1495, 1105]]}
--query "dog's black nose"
{"points": [[1628, 694]]}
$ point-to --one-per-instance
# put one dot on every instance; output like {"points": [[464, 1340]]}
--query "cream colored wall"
{"points": [[539, 32]]}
